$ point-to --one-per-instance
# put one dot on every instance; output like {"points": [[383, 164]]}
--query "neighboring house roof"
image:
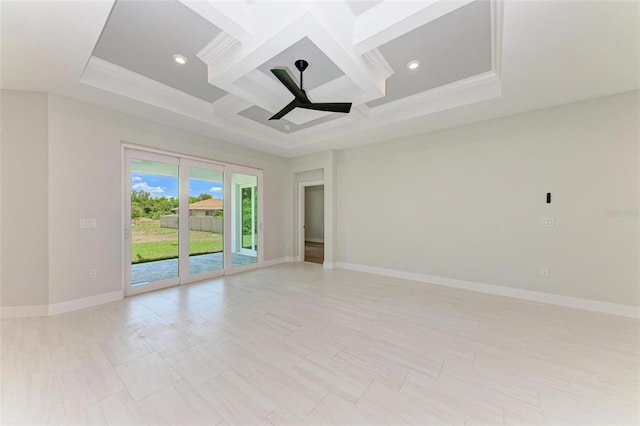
{"points": [[210, 204]]}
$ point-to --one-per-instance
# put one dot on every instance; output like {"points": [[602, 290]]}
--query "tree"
{"points": [[248, 213], [144, 205], [204, 196], [136, 212], [140, 195]]}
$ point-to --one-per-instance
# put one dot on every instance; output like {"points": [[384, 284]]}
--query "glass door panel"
{"points": [[177, 214], [249, 196], [206, 220], [244, 220], [154, 237]]}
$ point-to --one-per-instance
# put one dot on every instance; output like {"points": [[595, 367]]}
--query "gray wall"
{"points": [[25, 199], [66, 156], [462, 203], [467, 203]]}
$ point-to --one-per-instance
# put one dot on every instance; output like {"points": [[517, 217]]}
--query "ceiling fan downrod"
{"points": [[302, 65]]}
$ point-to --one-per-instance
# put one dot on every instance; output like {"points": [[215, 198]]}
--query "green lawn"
{"points": [[150, 242], [160, 250], [246, 241]]}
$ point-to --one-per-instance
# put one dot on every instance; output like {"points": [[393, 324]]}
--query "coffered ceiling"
{"points": [[472, 58], [361, 57]]}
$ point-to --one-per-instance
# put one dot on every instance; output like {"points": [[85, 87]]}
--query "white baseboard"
{"points": [[59, 308], [31, 311], [314, 240], [330, 265], [85, 302], [277, 261], [534, 296]]}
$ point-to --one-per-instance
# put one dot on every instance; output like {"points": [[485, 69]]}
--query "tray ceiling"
{"points": [[480, 60], [357, 52], [142, 36]]}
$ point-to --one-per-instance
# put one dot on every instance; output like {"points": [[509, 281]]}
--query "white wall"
{"points": [[314, 213], [467, 203], [25, 198], [83, 173]]}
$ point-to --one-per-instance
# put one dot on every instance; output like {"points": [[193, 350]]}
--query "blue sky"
{"points": [[167, 186]]}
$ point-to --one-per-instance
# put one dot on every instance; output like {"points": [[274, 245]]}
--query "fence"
{"points": [[196, 223]]}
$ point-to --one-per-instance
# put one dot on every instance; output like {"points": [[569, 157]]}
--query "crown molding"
{"points": [[379, 63], [464, 91], [217, 47], [223, 113], [229, 105], [115, 79]]}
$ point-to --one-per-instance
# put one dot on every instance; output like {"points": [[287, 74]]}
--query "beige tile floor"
{"points": [[295, 344]]}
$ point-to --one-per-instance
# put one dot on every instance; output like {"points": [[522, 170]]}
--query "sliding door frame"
{"points": [[129, 154], [229, 221], [184, 225], [129, 151]]}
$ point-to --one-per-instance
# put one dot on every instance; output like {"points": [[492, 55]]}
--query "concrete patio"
{"points": [[144, 273]]}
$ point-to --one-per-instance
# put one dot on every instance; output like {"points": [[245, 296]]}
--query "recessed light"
{"points": [[413, 65], [179, 59]]}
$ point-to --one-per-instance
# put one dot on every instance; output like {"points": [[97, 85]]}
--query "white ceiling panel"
{"points": [[451, 48], [142, 36], [321, 70]]}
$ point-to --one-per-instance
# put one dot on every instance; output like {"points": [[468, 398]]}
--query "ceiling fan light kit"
{"points": [[301, 100]]}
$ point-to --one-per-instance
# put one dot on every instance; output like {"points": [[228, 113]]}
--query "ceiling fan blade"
{"points": [[332, 107], [286, 110], [288, 82]]}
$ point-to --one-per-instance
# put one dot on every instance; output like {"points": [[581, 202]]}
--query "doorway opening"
{"points": [[312, 220]]}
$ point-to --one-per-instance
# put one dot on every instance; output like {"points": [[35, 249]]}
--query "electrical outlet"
{"points": [[93, 273], [544, 271]]}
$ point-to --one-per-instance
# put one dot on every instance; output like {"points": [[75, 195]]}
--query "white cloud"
{"points": [[136, 179], [144, 186], [215, 189]]}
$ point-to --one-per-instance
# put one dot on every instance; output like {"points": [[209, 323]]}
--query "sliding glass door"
{"points": [[205, 209], [177, 219], [244, 219], [152, 200]]}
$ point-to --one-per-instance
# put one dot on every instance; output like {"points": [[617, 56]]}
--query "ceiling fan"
{"points": [[301, 100]]}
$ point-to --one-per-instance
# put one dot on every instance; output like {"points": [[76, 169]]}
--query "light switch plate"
{"points": [[548, 221], [88, 223]]}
